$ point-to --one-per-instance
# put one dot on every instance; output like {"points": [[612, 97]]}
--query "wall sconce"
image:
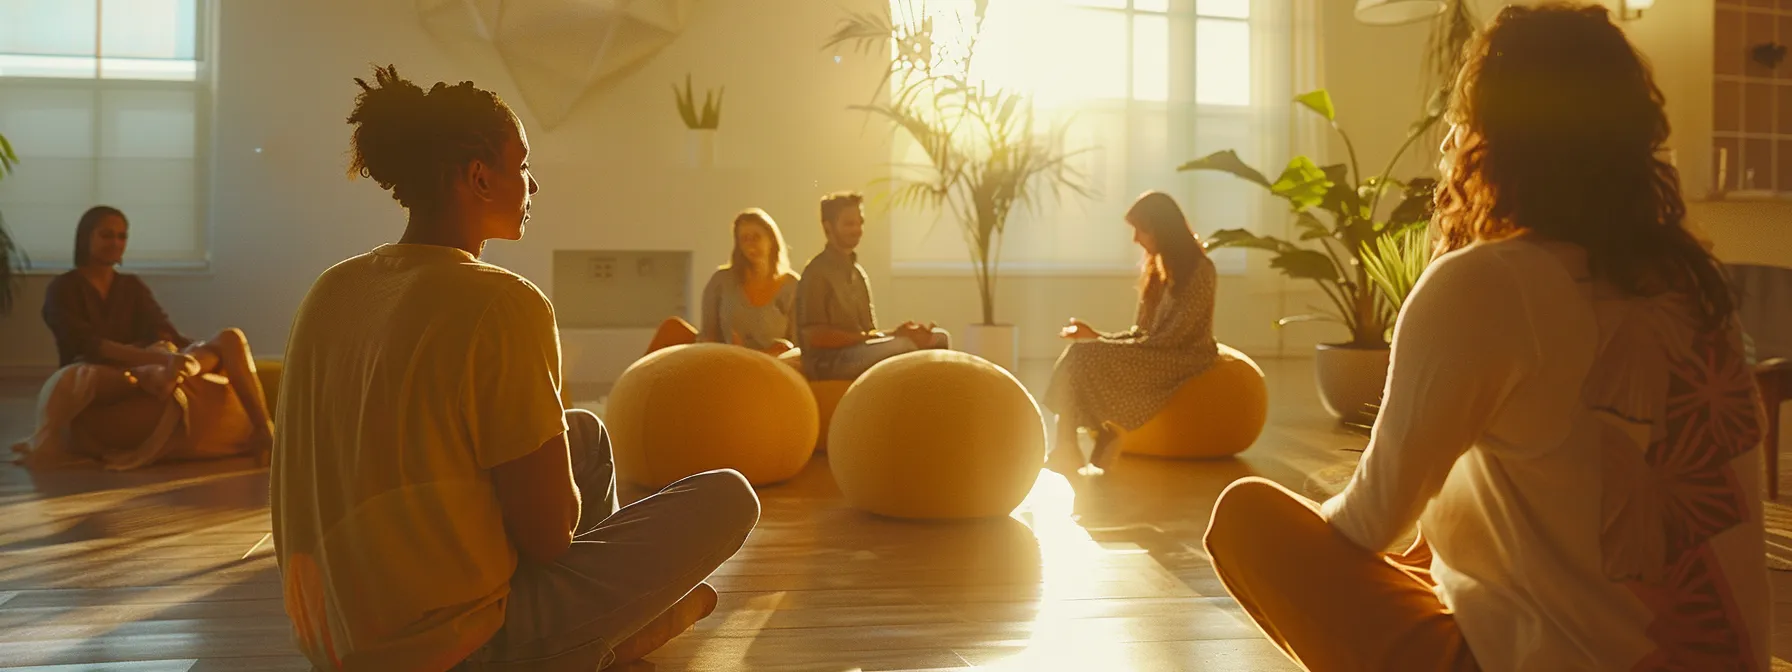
{"points": [[1629, 10]]}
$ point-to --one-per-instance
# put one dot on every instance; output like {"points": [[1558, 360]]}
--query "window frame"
{"points": [[1183, 17], [201, 87]]}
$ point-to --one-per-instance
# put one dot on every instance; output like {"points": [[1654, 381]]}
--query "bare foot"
{"points": [[1107, 448], [695, 605], [261, 445]]}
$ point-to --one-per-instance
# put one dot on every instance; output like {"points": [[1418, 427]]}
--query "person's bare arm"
{"points": [[539, 500], [129, 356]]}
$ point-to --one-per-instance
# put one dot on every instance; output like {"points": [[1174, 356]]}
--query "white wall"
{"points": [[612, 175], [612, 178]]}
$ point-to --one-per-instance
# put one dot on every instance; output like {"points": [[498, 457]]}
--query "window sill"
{"points": [[923, 269], [1227, 262], [170, 269]]}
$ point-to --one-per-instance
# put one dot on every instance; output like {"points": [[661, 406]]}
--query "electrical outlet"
{"points": [[603, 268]]}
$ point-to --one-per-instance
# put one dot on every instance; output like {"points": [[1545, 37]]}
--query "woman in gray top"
{"points": [[751, 300], [1114, 383]]}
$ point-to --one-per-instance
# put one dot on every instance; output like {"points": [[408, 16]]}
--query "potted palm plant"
{"points": [[13, 261], [1363, 255], [702, 122], [987, 154]]}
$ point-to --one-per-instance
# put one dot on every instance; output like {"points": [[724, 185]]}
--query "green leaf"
{"points": [[1226, 162], [1303, 264], [1339, 199], [1302, 183], [1318, 101], [1395, 262], [1243, 238], [1416, 203], [1314, 317], [1310, 226], [7, 157]]}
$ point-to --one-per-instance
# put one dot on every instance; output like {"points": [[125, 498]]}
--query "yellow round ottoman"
{"points": [[1217, 414], [936, 434], [827, 399], [688, 409], [268, 371]]}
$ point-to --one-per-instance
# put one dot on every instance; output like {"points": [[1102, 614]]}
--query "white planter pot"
{"points": [[998, 343], [700, 147], [1350, 380]]}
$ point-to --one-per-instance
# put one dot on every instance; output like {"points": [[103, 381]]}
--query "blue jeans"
{"points": [[850, 362], [626, 566]]}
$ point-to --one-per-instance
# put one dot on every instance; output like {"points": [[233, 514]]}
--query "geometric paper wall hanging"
{"points": [[557, 51]]}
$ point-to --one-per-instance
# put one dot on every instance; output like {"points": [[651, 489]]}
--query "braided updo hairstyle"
{"points": [[412, 142]]}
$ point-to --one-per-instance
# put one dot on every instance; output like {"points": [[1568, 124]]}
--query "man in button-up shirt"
{"points": [[836, 325]]}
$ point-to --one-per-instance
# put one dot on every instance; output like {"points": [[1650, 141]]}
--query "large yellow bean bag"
{"points": [[936, 434], [827, 399], [268, 371], [688, 409], [1217, 414]]}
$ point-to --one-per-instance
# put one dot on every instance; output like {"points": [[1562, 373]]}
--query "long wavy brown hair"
{"points": [[1179, 252], [737, 259], [1560, 131]]}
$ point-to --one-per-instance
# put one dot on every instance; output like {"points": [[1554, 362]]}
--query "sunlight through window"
{"points": [[1144, 83], [107, 39], [104, 101]]}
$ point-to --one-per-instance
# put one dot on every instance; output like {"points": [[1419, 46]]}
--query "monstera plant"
{"points": [[1363, 239], [12, 256]]}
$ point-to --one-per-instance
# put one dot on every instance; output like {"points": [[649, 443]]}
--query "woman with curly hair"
{"points": [[1568, 420], [434, 507]]}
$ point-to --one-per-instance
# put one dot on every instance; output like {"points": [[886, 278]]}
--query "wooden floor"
{"points": [[146, 571]]}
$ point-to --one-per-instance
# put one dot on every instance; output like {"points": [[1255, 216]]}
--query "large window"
{"points": [[104, 102], [1146, 85]]}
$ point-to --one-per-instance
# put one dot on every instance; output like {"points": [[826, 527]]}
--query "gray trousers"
{"points": [[852, 361], [626, 565]]}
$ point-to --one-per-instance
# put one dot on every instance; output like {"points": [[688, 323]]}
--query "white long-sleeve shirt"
{"points": [[1584, 465]]}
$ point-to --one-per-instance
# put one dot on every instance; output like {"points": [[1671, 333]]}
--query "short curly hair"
{"points": [[412, 142]]}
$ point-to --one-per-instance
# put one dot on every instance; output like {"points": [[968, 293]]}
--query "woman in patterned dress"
{"points": [[1114, 383], [1569, 418]]}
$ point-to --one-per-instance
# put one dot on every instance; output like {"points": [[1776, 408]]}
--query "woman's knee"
{"points": [[1245, 509], [232, 337]]}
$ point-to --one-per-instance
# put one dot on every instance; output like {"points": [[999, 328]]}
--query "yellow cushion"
{"points": [[936, 434], [688, 409], [268, 371], [1219, 413], [827, 398]]}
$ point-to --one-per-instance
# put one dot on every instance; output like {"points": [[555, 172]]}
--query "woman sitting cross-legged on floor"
{"points": [[1568, 419], [131, 391], [1111, 383], [750, 301]]}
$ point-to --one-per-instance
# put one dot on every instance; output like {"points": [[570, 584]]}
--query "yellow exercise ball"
{"points": [[1217, 414], [269, 371], [688, 409], [936, 434], [827, 398]]}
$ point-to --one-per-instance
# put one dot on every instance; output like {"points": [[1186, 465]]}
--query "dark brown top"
{"points": [[81, 318]]}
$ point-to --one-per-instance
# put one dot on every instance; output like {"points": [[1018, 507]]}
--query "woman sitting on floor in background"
{"points": [[1568, 420], [750, 301], [131, 390], [1111, 383]]}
